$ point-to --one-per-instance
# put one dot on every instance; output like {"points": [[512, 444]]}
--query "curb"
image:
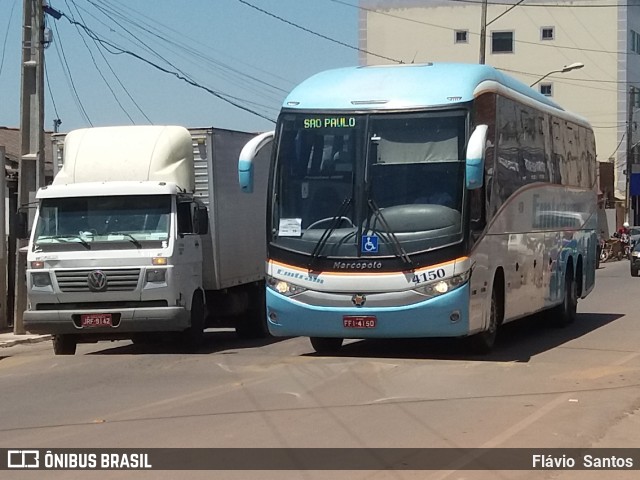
{"points": [[18, 341]]}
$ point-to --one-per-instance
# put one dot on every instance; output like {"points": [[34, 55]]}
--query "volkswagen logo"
{"points": [[358, 300], [97, 281]]}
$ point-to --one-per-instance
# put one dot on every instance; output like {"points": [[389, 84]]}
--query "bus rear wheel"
{"points": [[326, 345], [566, 312]]}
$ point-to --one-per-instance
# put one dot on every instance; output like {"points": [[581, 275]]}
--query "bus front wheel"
{"points": [[326, 345], [483, 342]]}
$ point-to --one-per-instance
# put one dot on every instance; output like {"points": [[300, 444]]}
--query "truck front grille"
{"points": [[118, 280]]}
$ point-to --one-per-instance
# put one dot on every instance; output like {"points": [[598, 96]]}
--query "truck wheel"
{"points": [[253, 323], [326, 345], [64, 344], [193, 336], [483, 342], [634, 272], [565, 313]]}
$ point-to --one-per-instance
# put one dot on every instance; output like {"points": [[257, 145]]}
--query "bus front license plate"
{"points": [[359, 321], [96, 320]]}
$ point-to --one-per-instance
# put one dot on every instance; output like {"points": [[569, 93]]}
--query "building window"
{"points": [[635, 42], [545, 89], [547, 33], [462, 36], [501, 42]]}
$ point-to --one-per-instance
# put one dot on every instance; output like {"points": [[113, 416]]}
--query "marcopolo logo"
{"points": [[23, 459]]}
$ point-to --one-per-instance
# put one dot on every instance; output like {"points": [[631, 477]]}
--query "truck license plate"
{"points": [[96, 320], [359, 321]]}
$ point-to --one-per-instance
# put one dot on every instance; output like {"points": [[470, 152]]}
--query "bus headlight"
{"points": [[283, 287], [439, 287]]}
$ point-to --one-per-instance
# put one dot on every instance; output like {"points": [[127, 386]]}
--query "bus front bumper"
{"points": [[444, 316]]}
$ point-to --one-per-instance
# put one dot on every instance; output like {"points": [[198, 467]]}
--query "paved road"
{"points": [[542, 388]]}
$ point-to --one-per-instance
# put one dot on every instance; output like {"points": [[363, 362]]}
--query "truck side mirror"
{"points": [[203, 220], [474, 163], [245, 161], [22, 225]]}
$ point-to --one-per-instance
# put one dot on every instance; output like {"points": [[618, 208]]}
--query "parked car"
{"points": [[635, 259]]}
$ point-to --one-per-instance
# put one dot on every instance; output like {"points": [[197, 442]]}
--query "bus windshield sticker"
{"points": [[369, 244], [330, 122], [290, 227]]}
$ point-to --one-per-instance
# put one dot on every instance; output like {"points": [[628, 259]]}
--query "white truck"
{"points": [[145, 230]]}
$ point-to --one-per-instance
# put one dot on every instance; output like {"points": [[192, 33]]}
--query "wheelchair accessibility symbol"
{"points": [[369, 244]]}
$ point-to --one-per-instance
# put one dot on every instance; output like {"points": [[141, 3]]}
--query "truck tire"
{"points": [[253, 323], [64, 344], [193, 336]]}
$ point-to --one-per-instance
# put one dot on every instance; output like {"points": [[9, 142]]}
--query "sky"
{"points": [[197, 63]]}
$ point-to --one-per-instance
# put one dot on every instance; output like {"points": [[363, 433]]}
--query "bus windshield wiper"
{"points": [[63, 238], [397, 246], [134, 240], [335, 221]]}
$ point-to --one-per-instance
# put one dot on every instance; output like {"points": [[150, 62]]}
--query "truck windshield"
{"points": [[342, 178], [100, 222]]}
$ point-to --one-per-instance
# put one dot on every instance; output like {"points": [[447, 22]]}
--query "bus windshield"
{"points": [[397, 177]]}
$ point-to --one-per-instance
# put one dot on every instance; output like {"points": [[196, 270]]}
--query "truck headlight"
{"points": [[40, 279], [284, 288], [439, 287], [156, 276]]}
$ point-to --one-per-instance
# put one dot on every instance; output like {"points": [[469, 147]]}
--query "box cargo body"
{"points": [[237, 250]]}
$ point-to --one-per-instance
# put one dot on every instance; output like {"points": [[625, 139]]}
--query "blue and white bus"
{"points": [[434, 200]]}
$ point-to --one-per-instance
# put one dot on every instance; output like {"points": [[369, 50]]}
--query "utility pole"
{"points": [[627, 197], [483, 32], [31, 168]]}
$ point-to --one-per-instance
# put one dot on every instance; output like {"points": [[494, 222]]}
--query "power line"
{"points": [[69, 77], [126, 91], [6, 35], [412, 20], [234, 75], [115, 49], [95, 64], [288, 22]]}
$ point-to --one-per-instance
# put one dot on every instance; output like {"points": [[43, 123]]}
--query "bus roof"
{"points": [[390, 87]]}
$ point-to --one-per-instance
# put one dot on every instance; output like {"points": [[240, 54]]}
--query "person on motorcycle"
{"points": [[625, 238]]}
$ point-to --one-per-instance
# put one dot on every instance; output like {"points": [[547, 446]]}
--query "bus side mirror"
{"points": [[245, 161], [474, 162]]}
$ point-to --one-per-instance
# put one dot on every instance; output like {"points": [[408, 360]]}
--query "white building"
{"points": [[529, 41]]}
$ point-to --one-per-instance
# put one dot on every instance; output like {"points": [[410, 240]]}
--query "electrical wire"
{"points": [[126, 91], [6, 35], [115, 49], [69, 77], [95, 64], [545, 45], [288, 22]]}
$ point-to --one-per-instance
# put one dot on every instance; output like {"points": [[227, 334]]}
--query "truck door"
{"points": [[188, 252]]}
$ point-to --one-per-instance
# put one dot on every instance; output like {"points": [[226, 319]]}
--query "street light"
{"points": [[565, 69]]}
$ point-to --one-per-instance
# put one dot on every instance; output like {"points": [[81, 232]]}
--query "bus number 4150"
{"points": [[429, 275]]}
